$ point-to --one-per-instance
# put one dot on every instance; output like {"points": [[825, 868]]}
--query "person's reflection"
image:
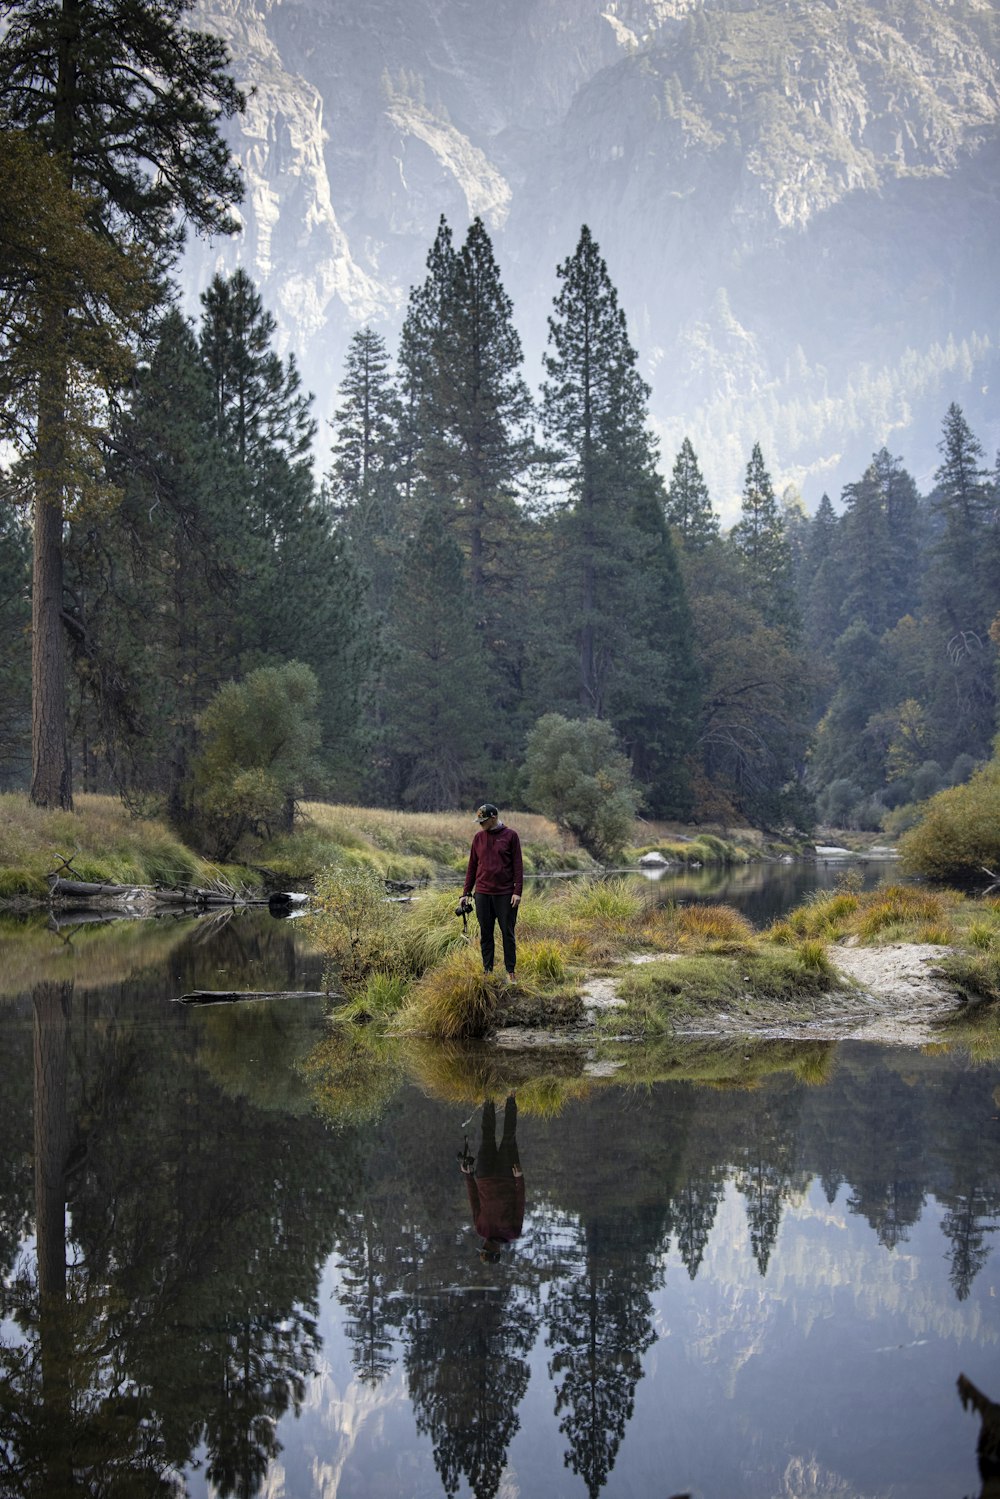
{"points": [[495, 1182], [988, 1448]]}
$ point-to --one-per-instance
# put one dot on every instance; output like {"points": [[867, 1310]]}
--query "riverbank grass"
{"points": [[668, 965], [105, 844]]}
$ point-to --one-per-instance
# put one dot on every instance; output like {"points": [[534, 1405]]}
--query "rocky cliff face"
{"points": [[797, 199]]}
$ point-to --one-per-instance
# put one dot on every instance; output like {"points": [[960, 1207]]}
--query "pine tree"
{"points": [[904, 566], [436, 688], [306, 594], [760, 540], [879, 545], [819, 589], [15, 649], [178, 553], [622, 632], [127, 103], [962, 584], [366, 471], [688, 507], [472, 447]]}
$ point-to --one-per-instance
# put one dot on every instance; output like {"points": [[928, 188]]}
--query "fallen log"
{"points": [[80, 889], [236, 996]]}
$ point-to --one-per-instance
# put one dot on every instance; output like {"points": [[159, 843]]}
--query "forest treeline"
{"points": [[222, 624], [475, 558]]}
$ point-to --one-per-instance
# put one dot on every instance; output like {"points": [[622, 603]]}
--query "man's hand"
{"points": [[515, 900], [466, 1168], [517, 1171]]}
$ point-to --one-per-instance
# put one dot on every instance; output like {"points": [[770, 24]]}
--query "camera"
{"points": [[464, 907]]}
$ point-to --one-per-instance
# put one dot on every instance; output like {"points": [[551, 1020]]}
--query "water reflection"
{"points": [[236, 1256], [495, 1182], [763, 892]]}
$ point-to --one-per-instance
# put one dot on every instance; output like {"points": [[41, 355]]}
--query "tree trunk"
{"points": [[51, 1004], [51, 783]]}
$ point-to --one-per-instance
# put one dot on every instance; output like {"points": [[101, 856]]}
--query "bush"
{"points": [[958, 836], [576, 774], [354, 926], [258, 742]]}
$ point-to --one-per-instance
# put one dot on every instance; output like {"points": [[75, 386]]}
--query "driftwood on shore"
{"points": [[185, 895], [235, 996]]}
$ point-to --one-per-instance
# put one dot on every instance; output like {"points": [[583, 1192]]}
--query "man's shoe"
{"points": [[510, 978]]}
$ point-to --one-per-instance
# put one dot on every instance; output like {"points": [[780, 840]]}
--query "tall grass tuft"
{"points": [[813, 956], [899, 906], [715, 926], [825, 916], [453, 1001]]}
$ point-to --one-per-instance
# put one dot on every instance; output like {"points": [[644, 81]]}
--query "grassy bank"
{"points": [[108, 845], [420, 974]]}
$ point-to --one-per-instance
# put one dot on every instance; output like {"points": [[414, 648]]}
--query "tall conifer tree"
{"points": [[688, 507], [364, 480], [306, 596], [436, 679], [179, 553], [962, 585], [759, 538], [623, 614], [472, 446], [819, 584], [126, 100]]}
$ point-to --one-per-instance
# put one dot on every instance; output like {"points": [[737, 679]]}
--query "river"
{"points": [[239, 1255]]}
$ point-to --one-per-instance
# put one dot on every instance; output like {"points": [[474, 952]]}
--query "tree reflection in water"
{"points": [[185, 1203], [187, 1318]]}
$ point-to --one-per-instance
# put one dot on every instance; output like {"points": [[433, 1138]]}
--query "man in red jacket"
{"points": [[496, 1183], [496, 874]]}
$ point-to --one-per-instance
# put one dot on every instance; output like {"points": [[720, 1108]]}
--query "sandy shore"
{"points": [[896, 995]]}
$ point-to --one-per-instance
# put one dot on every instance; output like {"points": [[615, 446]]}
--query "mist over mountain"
{"points": [[798, 200]]}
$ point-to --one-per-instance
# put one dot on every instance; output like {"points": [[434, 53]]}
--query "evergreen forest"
{"points": [[213, 607]]}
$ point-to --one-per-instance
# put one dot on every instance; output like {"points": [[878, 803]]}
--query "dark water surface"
{"points": [[238, 1255]]}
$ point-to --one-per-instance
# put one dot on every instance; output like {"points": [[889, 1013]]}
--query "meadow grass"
{"points": [[106, 845], [414, 845], [890, 913]]}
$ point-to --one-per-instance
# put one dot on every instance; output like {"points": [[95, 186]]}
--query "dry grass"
{"points": [[454, 1001], [105, 842], [713, 927], [891, 913]]}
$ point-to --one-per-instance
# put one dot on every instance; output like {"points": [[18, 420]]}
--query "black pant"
{"points": [[496, 908], [490, 1161]]}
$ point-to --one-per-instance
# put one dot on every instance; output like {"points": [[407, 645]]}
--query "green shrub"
{"points": [[959, 834], [354, 926], [259, 738], [576, 774]]}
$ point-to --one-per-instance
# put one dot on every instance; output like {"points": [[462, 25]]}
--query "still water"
{"points": [[239, 1255]]}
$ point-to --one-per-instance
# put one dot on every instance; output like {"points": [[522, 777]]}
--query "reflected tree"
{"points": [[367, 1284], [200, 1225], [69, 1413], [966, 1224], [467, 1369], [887, 1133], [693, 1211], [600, 1325], [765, 1165]]}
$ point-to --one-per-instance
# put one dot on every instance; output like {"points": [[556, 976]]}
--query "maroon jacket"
{"points": [[497, 1204], [495, 866]]}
